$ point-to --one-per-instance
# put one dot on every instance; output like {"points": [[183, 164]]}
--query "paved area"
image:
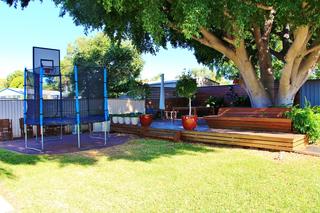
{"points": [[68, 144]]}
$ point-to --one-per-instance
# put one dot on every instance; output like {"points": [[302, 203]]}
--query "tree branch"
{"points": [[301, 36], [312, 49], [217, 44], [268, 25]]}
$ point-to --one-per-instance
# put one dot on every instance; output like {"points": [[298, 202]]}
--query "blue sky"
{"points": [[40, 25]]}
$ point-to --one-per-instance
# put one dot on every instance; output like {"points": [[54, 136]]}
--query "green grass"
{"points": [[158, 176]]}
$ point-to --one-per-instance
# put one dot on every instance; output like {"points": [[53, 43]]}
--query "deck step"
{"points": [[271, 141]]}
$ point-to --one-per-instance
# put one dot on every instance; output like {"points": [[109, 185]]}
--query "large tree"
{"points": [[91, 54], [15, 79], [252, 34]]}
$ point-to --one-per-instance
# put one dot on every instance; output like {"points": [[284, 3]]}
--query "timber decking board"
{"points": [[264, 140]]}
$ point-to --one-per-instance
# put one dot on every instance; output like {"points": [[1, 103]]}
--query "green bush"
{"points": [[306, 121], [214, 101]]}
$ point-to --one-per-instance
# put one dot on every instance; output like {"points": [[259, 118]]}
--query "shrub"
{"points": [[306, 121], [214, 102]]}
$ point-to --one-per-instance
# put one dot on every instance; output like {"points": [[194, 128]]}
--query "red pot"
{"points": [[236, 81], [189, 122], [146, 120]]}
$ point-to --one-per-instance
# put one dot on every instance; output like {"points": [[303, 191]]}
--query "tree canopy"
{"points": [[2, 83], [263, 39], [124, 64], [15, 79]]}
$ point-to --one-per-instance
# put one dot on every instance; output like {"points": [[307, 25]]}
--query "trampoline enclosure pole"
{"points": [[41, 106], [77, 103], [25, 108], [106, 111]]}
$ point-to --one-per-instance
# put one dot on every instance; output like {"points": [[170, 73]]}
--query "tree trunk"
{"points": [[189, 106], [299, 58], [253, 86], [285, 99]]}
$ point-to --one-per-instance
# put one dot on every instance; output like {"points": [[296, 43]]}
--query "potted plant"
{"points": [[140, 91], [127, 119], [114, 118], [134, 118], [145, 120], [121, 119], [187, 87]]}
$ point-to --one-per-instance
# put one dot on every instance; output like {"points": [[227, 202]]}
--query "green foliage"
{"points": [[2, 83], [15, 79], [186, 86], [153, 24], [306, 121], [242, 101], [207, 73], [150, 24], [124, 63], [139, 90], [215, 102]]}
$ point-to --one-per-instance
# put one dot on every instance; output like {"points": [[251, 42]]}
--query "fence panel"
{"points": [[13, 109], [310, 91]]}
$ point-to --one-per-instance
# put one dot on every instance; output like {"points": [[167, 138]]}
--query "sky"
{"points": [[40, 25]]}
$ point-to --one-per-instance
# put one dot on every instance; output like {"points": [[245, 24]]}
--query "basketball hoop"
{"points": [[47, 70]]}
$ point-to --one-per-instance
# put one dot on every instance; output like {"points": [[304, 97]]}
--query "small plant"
{"points": [[215, 102], [242, 101], [306, 121], [187, 87], [138, 90]]}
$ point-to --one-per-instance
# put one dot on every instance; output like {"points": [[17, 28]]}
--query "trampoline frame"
{"points": [[60, 121]]}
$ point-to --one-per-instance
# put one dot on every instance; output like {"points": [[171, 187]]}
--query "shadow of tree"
{"points": [[14, 158], [148, 149], [6, 173], [74, 159]]}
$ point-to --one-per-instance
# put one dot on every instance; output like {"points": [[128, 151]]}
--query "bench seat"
{"points": [[260, 119]]}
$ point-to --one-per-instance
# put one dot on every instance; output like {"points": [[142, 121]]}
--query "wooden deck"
{"points": [[203, 134]]}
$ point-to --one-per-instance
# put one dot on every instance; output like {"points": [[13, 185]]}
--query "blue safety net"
{"points": [[59, 95]]}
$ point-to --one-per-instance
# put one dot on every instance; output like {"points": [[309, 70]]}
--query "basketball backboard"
{"points": [[47, 58]]}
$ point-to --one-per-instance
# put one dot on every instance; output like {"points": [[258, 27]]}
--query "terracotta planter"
{"points": [[146, 120], [236, 81], [189, 122]]}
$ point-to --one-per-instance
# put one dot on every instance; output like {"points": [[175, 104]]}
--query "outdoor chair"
{"points": [[6, 129]]}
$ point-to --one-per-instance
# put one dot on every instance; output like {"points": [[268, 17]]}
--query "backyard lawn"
{"points": [[152, 176]]}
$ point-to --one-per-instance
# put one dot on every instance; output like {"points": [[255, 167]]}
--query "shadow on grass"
{"points": [[6, 173], [14, 158], [65, 160], [148, 149]]}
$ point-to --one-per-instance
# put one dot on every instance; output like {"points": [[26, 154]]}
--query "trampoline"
{"points": [[60, 96]]}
